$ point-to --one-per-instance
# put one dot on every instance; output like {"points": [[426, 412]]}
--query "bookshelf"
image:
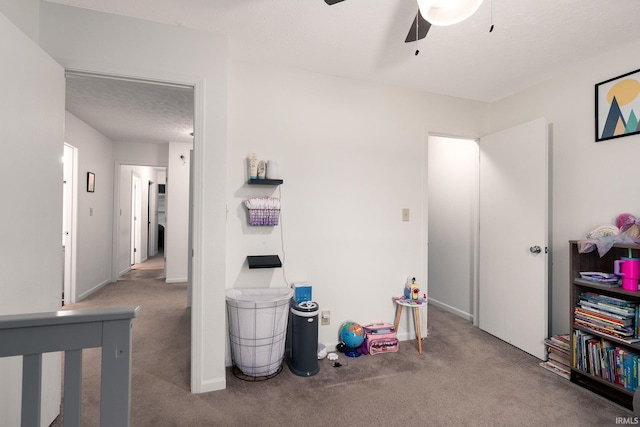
{"points": [[605, 359]]}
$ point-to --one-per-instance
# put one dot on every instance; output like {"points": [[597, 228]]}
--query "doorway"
{"points": [[452, 187], [138, 203], [485, 270], [121, 242]]}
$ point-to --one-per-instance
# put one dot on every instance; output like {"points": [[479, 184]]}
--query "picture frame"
{"points": [[617, 106], [91, 182]]}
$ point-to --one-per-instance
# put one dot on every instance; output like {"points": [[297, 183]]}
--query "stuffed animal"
{"points": [[629, 225]]}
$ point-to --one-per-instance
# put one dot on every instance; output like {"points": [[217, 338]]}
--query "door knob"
{"points": [[535, 249]]}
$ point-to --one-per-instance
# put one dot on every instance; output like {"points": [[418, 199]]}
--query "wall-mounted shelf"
{"points": [[264, 261], [253, 181]]}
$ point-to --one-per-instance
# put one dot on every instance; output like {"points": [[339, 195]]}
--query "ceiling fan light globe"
{"points": [[424, 6], [447, 12]]}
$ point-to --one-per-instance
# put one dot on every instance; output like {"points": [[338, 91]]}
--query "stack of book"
{"points": [[598, 278], [604, 359], [607, 315], [558, 355]]}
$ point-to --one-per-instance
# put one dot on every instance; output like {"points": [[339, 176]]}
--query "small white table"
{"points": [[416, 304]]}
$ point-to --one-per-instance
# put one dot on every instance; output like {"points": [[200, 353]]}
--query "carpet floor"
{"points": [[465, 377]]}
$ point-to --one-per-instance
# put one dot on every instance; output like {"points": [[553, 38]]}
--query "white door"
{"points": [[190, 240], [513, 294], [152, 219], [69, 222], [32, 129], [136, 216]]}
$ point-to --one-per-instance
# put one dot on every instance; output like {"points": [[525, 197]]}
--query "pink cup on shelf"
{"points": [[629, 270]]}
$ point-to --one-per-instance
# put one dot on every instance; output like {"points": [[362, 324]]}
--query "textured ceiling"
{"points": [[533, 40], [132, 111]]}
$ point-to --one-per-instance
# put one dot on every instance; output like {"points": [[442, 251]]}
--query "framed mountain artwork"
{"points": [[618, 106]]}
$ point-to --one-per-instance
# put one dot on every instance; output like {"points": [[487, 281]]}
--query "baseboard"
{"points": [[451, 309], [179, 280], [92, 290], [125, 271]]}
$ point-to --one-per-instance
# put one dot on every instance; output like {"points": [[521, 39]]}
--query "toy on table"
{"points": [[411, 290]]}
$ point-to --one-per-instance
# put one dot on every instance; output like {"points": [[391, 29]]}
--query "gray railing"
{"points": [[71, 331]]}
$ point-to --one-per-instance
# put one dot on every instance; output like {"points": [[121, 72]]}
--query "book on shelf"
{"points": [[605, 359], [598, 276], [607, 300], [601, 279], [608, 315], [603, 284]]}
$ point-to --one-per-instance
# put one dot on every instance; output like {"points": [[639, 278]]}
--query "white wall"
{"points": [[94, 210], [352, 155], [592, 183], [98, 42], [31, 260], [24, 14], [140, 153], [177, 230]]}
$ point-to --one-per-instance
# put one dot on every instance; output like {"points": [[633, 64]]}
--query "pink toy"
{"points": [[629, 225]]}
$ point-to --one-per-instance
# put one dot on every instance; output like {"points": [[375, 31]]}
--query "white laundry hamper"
{"points": [[258, 329]]}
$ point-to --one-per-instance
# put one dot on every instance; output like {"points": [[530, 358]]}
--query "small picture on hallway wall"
{"points": [[91, 182], [618, 106]]}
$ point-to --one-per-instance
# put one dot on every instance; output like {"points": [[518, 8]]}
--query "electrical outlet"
{"points": [[405, 214], [325, 318]]}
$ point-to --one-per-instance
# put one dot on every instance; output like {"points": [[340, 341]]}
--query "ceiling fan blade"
{"points": [[422, 26], [332, 2]]}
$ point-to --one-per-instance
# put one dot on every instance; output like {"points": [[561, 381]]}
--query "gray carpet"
{"points": [[464, 378]]}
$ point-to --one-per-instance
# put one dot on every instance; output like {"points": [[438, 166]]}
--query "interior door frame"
{"points": [[198, 84], [473, 238], [118, 164]]}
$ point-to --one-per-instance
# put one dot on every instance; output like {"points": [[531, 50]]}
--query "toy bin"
{"points": [[258, 328]]}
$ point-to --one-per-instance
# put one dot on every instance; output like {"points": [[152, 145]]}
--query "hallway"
{"points": [[161, 339]]}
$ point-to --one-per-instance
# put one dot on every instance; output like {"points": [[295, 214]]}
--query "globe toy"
{"points": [[352, 335]]}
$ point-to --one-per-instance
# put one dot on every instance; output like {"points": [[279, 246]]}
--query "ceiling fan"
{"points": [[435, 12]]}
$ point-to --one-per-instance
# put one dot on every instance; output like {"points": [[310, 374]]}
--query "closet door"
{"points": [[513, 238]]}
